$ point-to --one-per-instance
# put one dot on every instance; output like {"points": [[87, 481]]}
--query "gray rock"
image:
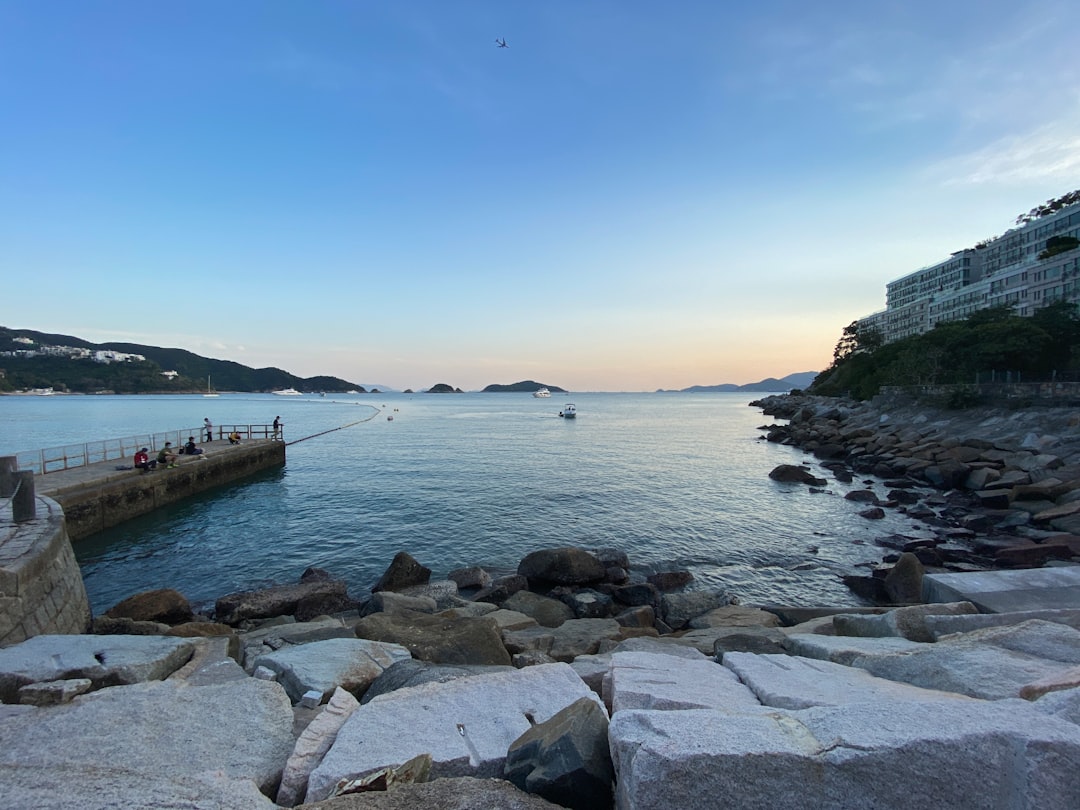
{"points": [[905, 622], [562, 566], [466, 725], [311, 746], [394, 602], [104, 660], [569, 640], [588, 604], [533, 658], [267, 639], [790, 474], [461, 793], [164, 605], [1064, 704], [759, 640], [856, 755], [940, 626], [565, 759], [791, 682], [472, 577], [642, 680], [548, 612], [735, 616], [511, 620], [403, 572], [282, 600], [438, 639], [241, 729], [323, 666], [53, 693], [903, 584], [406, 674], [444, 592], [677, 609], [847, 649]]}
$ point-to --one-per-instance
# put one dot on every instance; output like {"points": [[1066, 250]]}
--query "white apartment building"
{"points": [[1006, 270]]}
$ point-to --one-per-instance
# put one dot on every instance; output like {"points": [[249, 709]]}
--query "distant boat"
{"points": [[42, 392], [209, 391], [288, 392], [569, 411], [541, 393]]}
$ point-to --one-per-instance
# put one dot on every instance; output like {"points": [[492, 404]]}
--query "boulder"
{"points": [[466, 726], [165, 605], [394, 602], [403, 572], [735, 616], [677, 609], [444, 592], [405, 674], [791, 682], [668, 580], [903, 584], [324, 666], [439, 639], [567, 641], [588, 604], [460, 793], [639, 594], [471, 577], [759, 640], [790, 474], [104, 660], [856, 755], [906, 622], [649, 680], [562, 566], [547, 612], [565, 759], [501, 589], [130, 746], [311, 746], [281, 600]]}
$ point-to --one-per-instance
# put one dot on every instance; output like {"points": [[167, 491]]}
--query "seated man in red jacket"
{"points": [[143, 461]]}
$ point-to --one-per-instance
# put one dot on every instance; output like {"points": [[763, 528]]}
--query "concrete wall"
{"points": [[41, 587], [93, 507]]}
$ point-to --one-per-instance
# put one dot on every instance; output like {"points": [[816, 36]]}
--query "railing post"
{"points": [[9, 465], [23, 503]]}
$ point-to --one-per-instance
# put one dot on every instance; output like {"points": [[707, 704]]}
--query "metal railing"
{"points": [[55, 459]]}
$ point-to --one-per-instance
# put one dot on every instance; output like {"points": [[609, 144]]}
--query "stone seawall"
{"points": [[94, 505], [41, 588]]}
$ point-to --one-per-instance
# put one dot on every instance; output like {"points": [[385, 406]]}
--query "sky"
{"points": [[631, 196]]}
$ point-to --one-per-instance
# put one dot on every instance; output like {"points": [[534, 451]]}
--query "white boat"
{"points": [[288, 392], [209, 391], [569, 411], [541, 393]]}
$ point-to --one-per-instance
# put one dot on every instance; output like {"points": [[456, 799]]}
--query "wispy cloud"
{"points": [[1050, 152]]}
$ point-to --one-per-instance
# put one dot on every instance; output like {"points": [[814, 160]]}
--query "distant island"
{"points": [[66, 364], [525, 386], [799, 380]]}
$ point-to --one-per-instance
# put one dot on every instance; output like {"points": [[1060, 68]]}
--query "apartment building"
{"points": [[1006, 270]]}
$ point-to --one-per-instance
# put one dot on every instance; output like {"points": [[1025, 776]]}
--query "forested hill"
{"points": [[30, 359]]}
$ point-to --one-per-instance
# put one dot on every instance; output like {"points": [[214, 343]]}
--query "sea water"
{"points": [[674, 480]]}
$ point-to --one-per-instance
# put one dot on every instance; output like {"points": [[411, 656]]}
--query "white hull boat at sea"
{"points": [[569, 411], [209, 391], [541, 393], [288, 392]]}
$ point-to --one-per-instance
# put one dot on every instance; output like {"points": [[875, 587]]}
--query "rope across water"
{"points": [[376, 412]]}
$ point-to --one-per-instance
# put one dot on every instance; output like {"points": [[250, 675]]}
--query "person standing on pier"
{"points": [[209, 428], [277, 427]]}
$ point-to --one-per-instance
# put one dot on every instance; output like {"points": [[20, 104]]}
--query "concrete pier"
{"points": [[98, 496]]}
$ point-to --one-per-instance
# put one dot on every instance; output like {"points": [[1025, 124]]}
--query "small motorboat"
{"points": [[541, 393], [569, 411]]}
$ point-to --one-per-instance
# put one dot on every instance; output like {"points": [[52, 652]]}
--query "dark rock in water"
{"points": [[278, 601], [165, 606], [324, 603], [616, 575], [904, 496], [562, 566], [472, 577], [403, 674], [404, 571], [870, 588], [438, 639], [669, 580], [873, 513], [790, 474], [501, 589], [566, 758], [903, 585], [861, 496], [640, 593], [830, 451], [612, 557], [315, 575], [947, 474], [588, 604]]}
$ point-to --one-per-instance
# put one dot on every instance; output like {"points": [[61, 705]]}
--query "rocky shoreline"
{"points": [[573, 683], [987, 489]]}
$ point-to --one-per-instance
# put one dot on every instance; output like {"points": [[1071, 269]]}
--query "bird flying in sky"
{"points": [[501, 42]]}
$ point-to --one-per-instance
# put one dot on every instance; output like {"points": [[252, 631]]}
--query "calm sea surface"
{"points": [[675, 480]]}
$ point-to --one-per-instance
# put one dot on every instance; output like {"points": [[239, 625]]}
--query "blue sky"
{"points": [[631, 196]]}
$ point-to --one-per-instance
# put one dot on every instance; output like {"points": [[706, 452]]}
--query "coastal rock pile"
{"points": [[928, 705], [995, 488]]}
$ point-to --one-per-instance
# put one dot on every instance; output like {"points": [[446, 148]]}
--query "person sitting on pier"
{"points": [[143, 461], [190, 449], [166, 456], [234, 438]]}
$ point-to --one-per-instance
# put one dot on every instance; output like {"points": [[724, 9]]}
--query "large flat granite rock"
{"points": [[1008, 591], [466, 725], [323, 666], [643, 680], [948, 755], [159, 734]]}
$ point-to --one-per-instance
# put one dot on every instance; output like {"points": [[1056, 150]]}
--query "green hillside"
{"points": [[52, 366]]}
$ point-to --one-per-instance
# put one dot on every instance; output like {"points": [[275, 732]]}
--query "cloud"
{"points": [[1050, 152]]}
